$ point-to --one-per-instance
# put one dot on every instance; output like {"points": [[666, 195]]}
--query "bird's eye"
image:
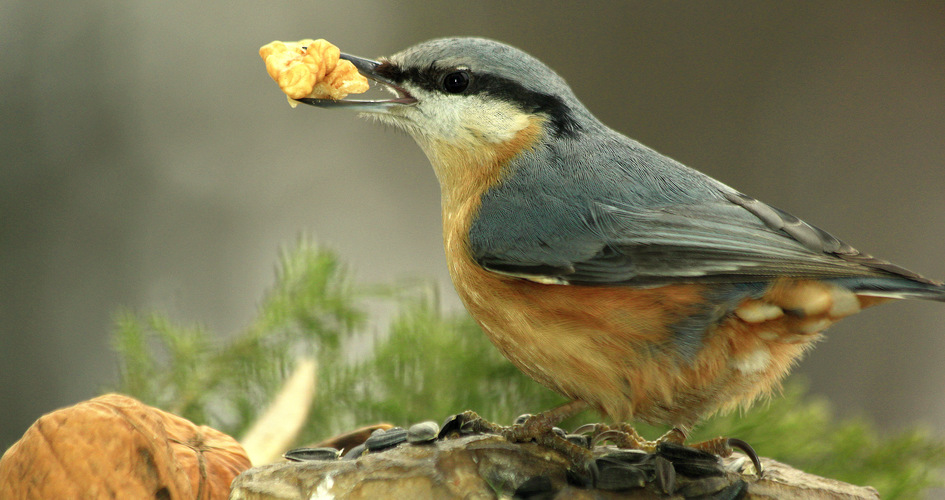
{"points": [[456, 82]]}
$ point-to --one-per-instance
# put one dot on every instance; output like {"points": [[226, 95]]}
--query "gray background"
{"points": [[148, 161]]}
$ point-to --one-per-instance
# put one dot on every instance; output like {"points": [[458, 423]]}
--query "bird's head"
{"points": [[470, 103]]}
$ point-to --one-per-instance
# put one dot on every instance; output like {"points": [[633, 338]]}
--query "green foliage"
{"points": [[429, 366], [432, 364], [226, 384]]}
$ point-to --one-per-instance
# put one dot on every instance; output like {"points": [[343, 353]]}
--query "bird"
{"points": [[616, 276]]}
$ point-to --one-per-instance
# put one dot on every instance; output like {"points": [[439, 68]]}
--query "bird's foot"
{"points": [[723, 447], [541, 429], [622, 435], [469, 422], [720, 447], [625, 436], [534, 427], [694, 459], [538, 428]]}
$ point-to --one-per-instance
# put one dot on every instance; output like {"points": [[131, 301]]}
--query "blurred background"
{"points": [[149, 162]]}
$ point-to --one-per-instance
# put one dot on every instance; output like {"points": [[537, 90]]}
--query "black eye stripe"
{"points": [[562, 121], [426, 78], [431, 78]]}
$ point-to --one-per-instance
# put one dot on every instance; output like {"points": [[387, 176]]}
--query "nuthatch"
{"points": [[606, 271]]}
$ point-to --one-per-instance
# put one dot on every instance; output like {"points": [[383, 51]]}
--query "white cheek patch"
{"points": [[468, 121]]}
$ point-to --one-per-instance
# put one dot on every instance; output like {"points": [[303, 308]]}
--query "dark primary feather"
{"points": [[626, 215]]}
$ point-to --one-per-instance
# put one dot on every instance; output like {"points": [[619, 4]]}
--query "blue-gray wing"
{"points": [[609, 211], [726, 237]]}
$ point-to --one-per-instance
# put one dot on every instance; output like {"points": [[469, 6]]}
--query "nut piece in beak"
{"points": [[311, 69]]}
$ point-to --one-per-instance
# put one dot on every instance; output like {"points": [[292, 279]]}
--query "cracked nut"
{"points": [[311, 68]]}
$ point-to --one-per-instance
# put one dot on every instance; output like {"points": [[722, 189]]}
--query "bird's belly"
{"points": [[620, 350]]}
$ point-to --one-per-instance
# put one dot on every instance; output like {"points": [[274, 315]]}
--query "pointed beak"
{"points": [[366, 67]]}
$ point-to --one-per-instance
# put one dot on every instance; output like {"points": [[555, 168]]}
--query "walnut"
{"points": [[116, 447], [311, 68]]}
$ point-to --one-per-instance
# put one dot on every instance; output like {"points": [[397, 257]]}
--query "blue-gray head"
{"points": [[468, 99]]}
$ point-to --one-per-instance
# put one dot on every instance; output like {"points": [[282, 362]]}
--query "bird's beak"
{"points": [[367, 68]]}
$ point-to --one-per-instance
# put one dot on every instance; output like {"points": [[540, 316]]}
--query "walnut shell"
{"points": [[114, 446]]}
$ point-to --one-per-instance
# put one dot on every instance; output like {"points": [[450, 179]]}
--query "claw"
{"points": [[586, 428], [722, 447], [750, 452], [619, 438]]}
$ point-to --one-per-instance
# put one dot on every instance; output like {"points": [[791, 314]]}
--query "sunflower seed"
{"points": [[381, 440], [306, 454], [424, 432]]}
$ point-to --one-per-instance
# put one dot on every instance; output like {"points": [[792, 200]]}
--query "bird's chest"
{"points": [[501, 305], [589, 343]]}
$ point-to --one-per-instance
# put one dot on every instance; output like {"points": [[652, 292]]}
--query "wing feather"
{"points": [[626, 215]]}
